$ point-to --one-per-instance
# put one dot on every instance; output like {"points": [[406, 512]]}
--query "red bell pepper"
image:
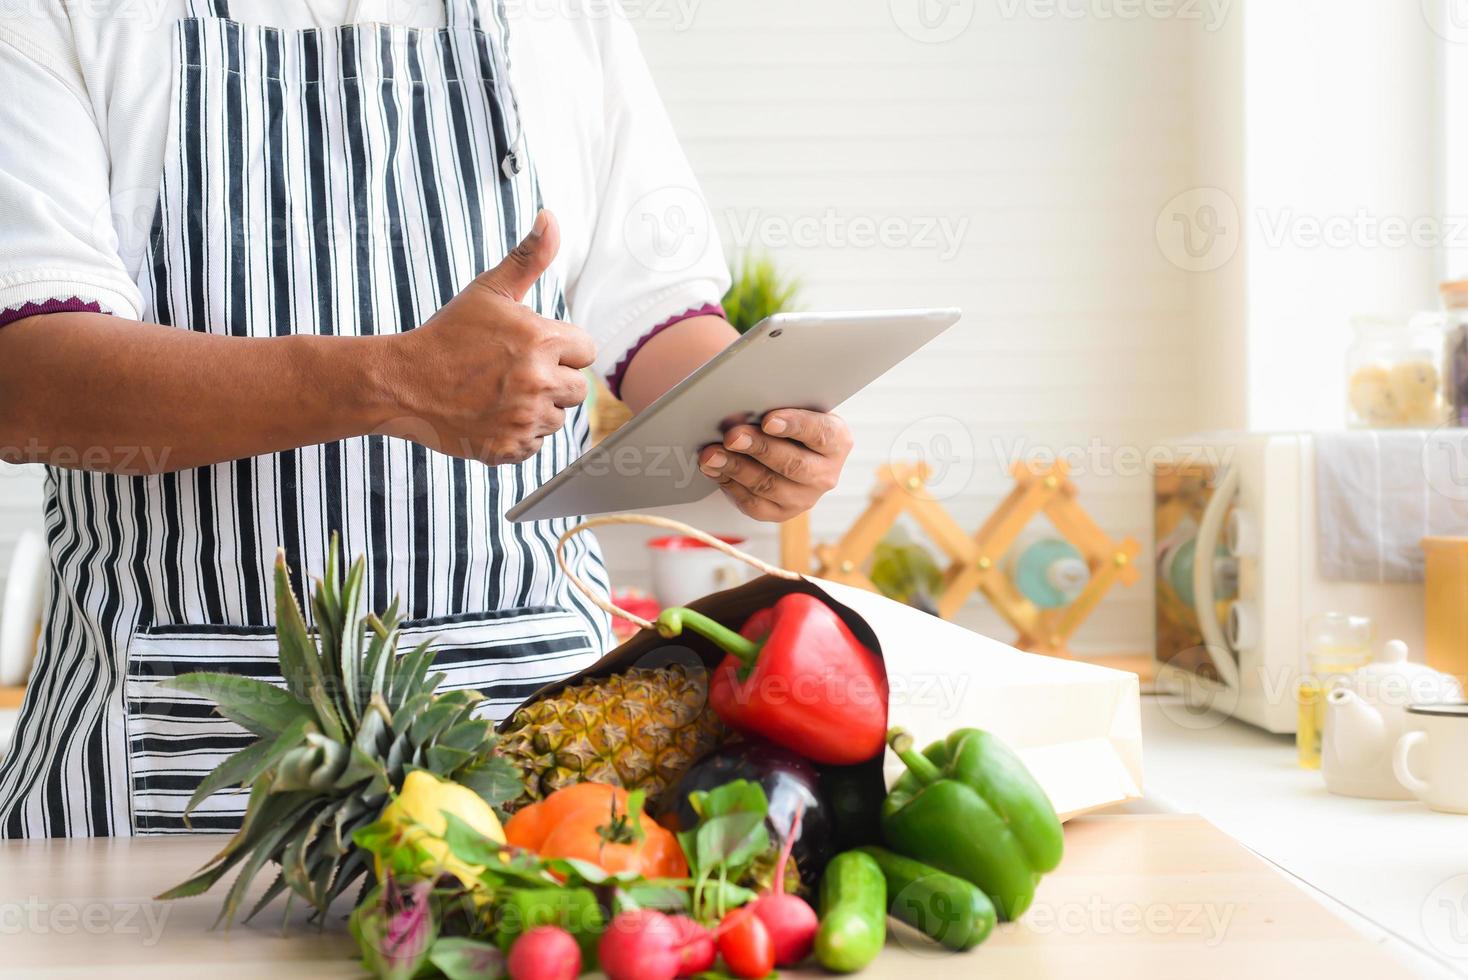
{"points": [[796, 675]]}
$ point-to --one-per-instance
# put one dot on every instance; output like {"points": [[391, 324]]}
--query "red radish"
{"points": [[698, 953], [641, 944], [789, 919], [745, 944], [545, 953]]}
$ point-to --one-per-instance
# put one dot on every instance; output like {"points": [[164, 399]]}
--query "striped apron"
{"points": [[333, 182]]}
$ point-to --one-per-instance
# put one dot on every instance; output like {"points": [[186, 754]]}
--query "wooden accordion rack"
{"points": [[976, 560]]}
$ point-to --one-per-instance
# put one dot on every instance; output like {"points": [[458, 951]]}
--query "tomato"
{"points": [[530, 825], [745, 944], [583, 835], [590, 822]]}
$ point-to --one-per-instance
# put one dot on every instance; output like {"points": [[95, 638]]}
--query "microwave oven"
{"points": [[1237, 577]]}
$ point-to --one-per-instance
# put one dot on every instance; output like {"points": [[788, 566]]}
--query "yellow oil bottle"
{"points": [[1339, 643]]}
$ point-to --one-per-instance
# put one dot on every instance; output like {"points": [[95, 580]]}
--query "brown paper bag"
{"points": [[1077, 726]]}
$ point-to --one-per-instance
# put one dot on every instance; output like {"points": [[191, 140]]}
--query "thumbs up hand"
{"points": [[486, 378]]}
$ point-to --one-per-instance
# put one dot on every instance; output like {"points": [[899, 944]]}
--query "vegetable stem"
{"points": [[918, 764], [671, 621]]}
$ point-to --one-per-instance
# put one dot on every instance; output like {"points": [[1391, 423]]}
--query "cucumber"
{"points": [[942, 906], [853, 913]]}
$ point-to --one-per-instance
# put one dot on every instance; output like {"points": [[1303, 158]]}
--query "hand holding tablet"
{"points": [[791, 360]]}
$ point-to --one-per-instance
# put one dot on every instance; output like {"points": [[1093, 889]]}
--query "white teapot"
{"points": [[1365, 715]]}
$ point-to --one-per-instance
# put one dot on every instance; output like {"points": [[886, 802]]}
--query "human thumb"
{"points": [[527, 261]]}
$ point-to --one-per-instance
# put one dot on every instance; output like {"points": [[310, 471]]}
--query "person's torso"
{"points": [[328, 182], [124, 58]]}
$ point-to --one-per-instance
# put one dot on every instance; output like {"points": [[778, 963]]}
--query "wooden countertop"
{"points": [[1137, 896]]}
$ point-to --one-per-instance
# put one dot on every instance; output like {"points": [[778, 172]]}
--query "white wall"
{"points": [[20, 509], [1049, 143], [1342, 190]]}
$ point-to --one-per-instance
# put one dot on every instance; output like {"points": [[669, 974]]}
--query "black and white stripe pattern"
{"points": [[334, 182], [172, 737]]}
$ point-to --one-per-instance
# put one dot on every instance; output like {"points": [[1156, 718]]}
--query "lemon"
{"points": [[418, 815]]}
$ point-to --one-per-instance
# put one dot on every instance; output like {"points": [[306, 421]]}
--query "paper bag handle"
{"points": [[666, 523]]}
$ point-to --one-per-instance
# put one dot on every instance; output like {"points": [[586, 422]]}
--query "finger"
{"points": [[527, 261], [570, 388], [490, 457], [760, 508], [790, 459], [551, 421], [824, 432], [574, 346], [753, 476]]}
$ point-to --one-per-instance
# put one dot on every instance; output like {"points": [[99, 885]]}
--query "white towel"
{"points": [[1379, 492]]}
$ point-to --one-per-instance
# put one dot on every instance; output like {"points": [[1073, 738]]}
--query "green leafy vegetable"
{"points": [[729, 836], [466, 959]]}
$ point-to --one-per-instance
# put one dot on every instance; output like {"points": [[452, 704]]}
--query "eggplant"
{"points": [[790, 781]]}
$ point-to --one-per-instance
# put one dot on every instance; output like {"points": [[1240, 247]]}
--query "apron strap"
{"points": [[459, 13], [207, 9], [496, 28]]}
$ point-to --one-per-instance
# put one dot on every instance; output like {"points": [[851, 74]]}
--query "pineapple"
{"points": [[356, 720], [641, 729]]}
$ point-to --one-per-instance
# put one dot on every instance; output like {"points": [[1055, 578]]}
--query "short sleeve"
{"points": [[58, 246], [654, 252]]}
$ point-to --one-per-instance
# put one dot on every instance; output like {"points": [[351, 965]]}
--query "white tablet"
{"points": [[790, 360]]}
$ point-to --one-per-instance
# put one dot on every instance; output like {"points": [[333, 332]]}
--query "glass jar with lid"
{"points": [[1395, 372], [1455, 304]]}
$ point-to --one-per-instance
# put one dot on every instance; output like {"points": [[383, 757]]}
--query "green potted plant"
{"points": [[758, 289]]}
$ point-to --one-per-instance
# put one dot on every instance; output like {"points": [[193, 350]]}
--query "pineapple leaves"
{"points": [[297, 651], [379, 650], [353, 719], [497, 780], [245, 766], [260, 708], [300, 661], [274, 833], [433, 721], [349, 656], [412, 671]]}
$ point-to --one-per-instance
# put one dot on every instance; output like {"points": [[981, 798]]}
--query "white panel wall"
{"points": [[1342, 195], [1045, 144], [20, 509]]}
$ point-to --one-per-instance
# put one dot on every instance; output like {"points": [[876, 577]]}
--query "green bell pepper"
{"points": [[967, 805]]}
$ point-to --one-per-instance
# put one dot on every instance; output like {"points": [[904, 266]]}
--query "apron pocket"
{"points": [[175, 739]]}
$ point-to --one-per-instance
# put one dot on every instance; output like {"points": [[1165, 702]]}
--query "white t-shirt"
{"points": [[85, 89]]}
